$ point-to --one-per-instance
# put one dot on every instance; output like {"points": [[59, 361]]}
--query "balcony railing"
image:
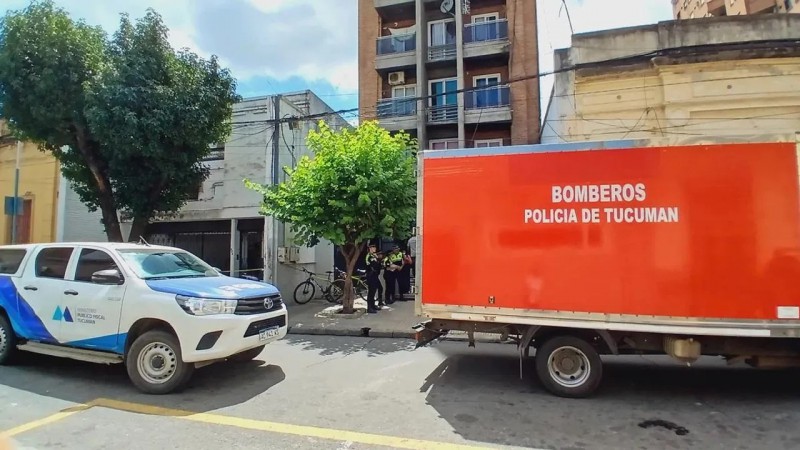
{"points": [[397, 107], [401, 43], [443, 113], [493, 30], [488, 97], [442, 52]]}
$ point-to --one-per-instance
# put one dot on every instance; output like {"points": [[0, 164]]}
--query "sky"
{"points": [[274, 46]]}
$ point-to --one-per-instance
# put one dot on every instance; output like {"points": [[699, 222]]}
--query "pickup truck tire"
{"points": [[247, 355], [568, 366], [155, 364], [8, 341]]}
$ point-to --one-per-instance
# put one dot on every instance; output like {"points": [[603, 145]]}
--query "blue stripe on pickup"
{"points": [[23, 318]]}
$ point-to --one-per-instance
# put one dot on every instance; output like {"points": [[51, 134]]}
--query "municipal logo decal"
{"points": [[64, 315]]}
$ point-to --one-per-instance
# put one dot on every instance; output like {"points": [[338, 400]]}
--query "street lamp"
{"points": [[15, 202]]}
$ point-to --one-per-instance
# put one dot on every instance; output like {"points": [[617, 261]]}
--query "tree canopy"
{"points": [[359, 185], [128, 118]]}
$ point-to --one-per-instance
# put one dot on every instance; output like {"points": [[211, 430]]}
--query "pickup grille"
{"points": [[272, 322], [249, 306]]}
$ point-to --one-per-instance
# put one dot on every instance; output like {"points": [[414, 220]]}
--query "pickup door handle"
{"points": [[70, 292], [31, 288]]}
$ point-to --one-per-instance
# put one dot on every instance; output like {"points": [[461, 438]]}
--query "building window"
{"points": [[488, 91], [484, 27], [443, 144], [443, 100], [486, 143], [405, 107], [442, 32]]}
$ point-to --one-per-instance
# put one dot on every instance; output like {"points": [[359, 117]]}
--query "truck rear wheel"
{"points": [[155, 364], [568, 366], [8, 341]]}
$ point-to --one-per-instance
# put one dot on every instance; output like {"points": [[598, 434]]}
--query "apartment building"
{"points": [[441, 70], [692, 9]]}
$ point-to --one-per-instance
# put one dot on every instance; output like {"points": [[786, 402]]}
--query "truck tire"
{"points": [[8, 341], [568, 366], [155, 364], [247, 355]]}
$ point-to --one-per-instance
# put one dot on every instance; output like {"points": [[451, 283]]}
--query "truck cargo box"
{"points": [[700, 238]]}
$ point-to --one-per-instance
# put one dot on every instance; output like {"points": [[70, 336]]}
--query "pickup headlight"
{"points": [[206, 306]]}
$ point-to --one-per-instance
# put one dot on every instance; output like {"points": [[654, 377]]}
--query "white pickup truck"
{"points": [[161, 311]]}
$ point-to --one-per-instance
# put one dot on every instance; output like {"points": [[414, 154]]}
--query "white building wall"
{"points": [[74, 220]]}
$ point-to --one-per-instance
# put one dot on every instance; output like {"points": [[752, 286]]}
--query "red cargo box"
{"points": [[656, 235]]}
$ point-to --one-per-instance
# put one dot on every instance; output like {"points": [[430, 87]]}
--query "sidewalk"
{"points": [[318, 317], [393, 321]]}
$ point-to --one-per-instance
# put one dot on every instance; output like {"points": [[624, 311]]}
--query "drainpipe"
{"points": [[14, 215]]}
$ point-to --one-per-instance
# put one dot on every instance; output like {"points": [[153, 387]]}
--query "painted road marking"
{"points": [[331, 434], [284, 428], [63, 414]]}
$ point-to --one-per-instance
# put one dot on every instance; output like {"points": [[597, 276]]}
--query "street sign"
{"points": [[10, 205]]}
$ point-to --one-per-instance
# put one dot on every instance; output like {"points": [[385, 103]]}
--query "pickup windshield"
{"points": [[164, 264]]}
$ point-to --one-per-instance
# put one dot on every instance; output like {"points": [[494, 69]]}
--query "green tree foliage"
{"points": [[128, 118], [360, 184]]}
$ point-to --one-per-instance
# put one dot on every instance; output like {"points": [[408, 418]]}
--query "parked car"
{"points": [[160, 311]]}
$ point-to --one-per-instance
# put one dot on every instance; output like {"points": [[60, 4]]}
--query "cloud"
{"points": [[312, 39]]}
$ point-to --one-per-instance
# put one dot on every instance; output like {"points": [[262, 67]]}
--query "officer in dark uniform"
{"points": [[373, 281]]}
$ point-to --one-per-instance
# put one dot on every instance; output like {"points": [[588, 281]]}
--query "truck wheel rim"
{"points": [[157, 363], [569, 367]]}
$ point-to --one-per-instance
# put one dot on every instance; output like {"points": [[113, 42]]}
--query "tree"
{"points": [[129, 119], [360, 184]]}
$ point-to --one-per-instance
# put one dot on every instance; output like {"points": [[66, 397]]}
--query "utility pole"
{"points": [[17, 206], [271, 262]]}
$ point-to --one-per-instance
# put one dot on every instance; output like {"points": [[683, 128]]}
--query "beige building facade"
{"points": [[695, 9], [731, 76]]}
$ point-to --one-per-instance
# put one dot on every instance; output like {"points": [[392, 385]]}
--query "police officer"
{"points": [[393, 264], [373, 280]]}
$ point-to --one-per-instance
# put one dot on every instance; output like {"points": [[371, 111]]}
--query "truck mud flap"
{"points": [[424, 334]]}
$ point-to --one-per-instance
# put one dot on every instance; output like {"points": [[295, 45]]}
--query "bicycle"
{"points": [[359, 285], [306, 290]]}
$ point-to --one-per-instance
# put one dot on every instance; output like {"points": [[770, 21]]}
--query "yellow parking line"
{"points": [[45, 421], [283, 428]]}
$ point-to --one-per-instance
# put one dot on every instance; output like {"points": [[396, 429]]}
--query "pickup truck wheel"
{"points": [[247, 355], [8, 341], [569, 367], [155, 364]]}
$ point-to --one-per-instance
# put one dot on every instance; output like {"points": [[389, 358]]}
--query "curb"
{"points": [[362, 332], [367, 332]]}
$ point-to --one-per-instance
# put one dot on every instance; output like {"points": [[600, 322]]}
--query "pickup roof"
{"points": [[159, 310]]}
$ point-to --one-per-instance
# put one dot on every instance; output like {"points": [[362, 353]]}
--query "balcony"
{"points": [[490, 104], [486, 38], [443, 114], [396, 52], [445, 52], [379, 4], [397, 113]]}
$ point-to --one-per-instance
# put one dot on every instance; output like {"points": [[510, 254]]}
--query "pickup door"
{"points": [[40, 291], [94, 308]]}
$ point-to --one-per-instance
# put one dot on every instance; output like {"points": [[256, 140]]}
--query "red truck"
{"points": [[618, 247]]}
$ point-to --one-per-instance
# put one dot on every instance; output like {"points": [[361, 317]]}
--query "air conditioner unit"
{"points": [[396, 78]]}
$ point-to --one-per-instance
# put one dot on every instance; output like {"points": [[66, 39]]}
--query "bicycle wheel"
{"points": [[304, 292], [336, 292], [360, 288]]}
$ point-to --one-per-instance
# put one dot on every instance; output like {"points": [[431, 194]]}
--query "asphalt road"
{"points": [[320, 392]]}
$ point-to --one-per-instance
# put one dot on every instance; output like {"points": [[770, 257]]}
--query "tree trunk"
{"points": [[351, 252], [138, 228], [96, 166]]}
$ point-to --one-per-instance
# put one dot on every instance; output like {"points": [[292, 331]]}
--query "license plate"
{"points": [[263, 335]]}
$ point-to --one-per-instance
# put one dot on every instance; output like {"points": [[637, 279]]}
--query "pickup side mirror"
{"points": [[108, 277]]}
